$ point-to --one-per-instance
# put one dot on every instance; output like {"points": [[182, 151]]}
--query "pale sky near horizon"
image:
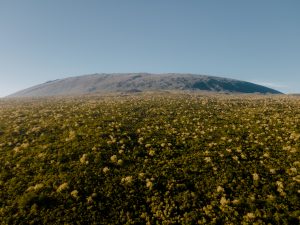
{"points": [[256, 41]]}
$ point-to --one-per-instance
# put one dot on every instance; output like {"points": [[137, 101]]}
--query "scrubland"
{"points": [[178, 158]]}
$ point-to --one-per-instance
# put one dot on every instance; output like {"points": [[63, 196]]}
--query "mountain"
{"points": [[138, 82]]}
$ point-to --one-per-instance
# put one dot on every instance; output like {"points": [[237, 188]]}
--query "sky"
{"points": [[256, 41]]}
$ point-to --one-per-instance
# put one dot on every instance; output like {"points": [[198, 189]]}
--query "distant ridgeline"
{"points": [[139, 82]]}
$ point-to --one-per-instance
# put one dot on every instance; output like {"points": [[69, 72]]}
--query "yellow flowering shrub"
{"points": [[147, 158]]}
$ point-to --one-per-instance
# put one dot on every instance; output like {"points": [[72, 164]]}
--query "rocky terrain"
{"points": [[140, 82]]}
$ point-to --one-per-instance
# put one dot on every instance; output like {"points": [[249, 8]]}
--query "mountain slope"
{"points": [[133, 82]]}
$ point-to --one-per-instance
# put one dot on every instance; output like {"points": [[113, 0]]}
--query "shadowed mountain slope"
{"points": [[137, 82]]}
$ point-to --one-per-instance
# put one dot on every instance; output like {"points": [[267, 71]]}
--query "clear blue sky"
{"points": [[253, 40]]}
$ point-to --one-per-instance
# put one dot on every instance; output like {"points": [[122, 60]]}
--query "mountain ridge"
{"points": [[139, 82]]}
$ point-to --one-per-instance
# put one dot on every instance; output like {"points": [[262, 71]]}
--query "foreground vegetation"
{"points": [[150, 159]]}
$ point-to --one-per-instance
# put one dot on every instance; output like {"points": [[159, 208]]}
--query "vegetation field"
{"points": [[176, 158]]}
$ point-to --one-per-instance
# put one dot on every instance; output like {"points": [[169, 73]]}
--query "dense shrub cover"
{"points": [[176, 158]]}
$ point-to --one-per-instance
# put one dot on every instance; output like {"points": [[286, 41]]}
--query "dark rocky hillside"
{"points": [[139, 82]]}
